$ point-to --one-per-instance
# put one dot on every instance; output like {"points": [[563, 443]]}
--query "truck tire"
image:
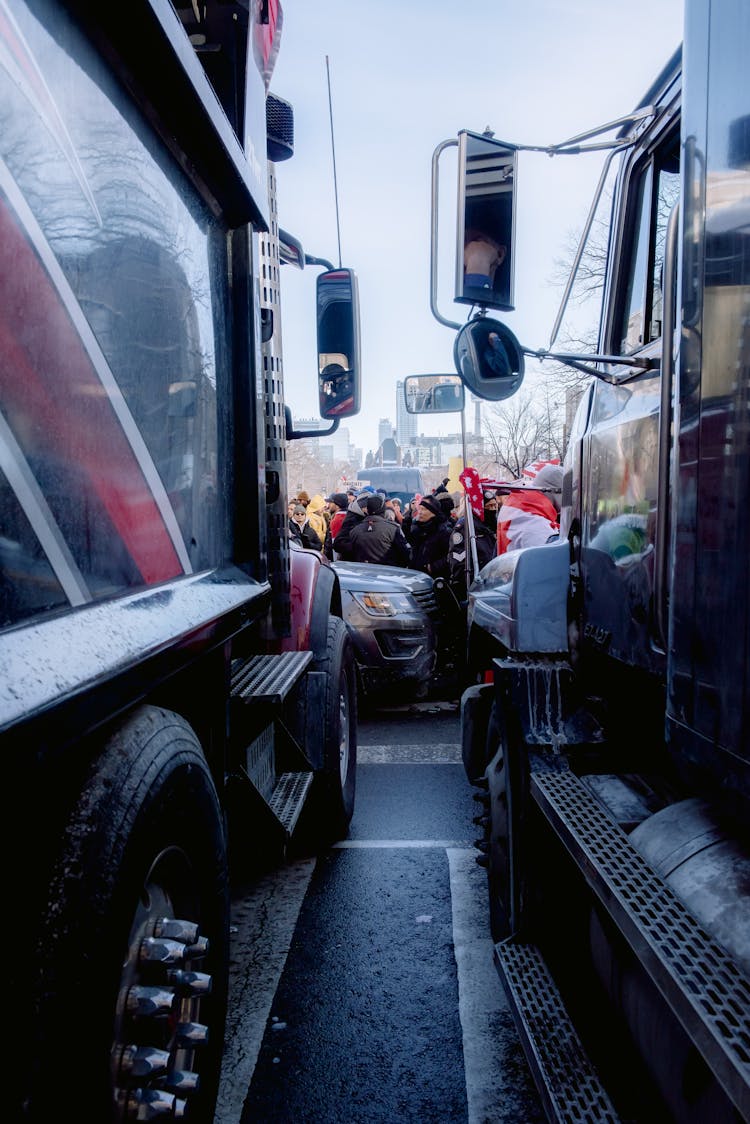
{"points": [[335, 782], [146, 842], [506, 788]]}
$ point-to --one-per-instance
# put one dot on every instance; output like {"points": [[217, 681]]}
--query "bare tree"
{"points": [[525, 428], [307, 470], [563, 385]]}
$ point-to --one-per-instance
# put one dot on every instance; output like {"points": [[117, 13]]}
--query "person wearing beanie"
{"points": [[429, 538], [446, 501], [549, 480], [377, 539], [337, 504], [300, 530]]}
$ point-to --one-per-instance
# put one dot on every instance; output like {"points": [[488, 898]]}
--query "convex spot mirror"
{"points": [[489, 359], [433, 394], [485, 253], [339, 367]]}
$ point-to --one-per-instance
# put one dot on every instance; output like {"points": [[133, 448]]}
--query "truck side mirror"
{"points": [[489, 359], [433, 394], [339, 369], [485, 254]]}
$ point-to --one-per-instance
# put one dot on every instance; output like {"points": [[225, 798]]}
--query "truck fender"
{"points": [[326, 602], [315, 595]]}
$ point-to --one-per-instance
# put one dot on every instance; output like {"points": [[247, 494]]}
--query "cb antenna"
{"points": [[333, 154]]}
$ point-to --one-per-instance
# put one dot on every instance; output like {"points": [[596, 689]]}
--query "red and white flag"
{"points": [[530, 471], [473, 489]]}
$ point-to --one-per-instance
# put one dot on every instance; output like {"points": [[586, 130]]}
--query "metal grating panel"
{"points": [[267, 678], [701, 982], [289, 797], [260, 762], [567, 1080]]}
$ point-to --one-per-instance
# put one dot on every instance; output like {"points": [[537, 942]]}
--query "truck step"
{"points": [[567, 1080], [288, 797], [267, 679], [702, 984]]}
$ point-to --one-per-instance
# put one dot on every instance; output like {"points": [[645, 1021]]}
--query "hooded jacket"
{"points": [[354, 515], [316, 518], [527, 518]]}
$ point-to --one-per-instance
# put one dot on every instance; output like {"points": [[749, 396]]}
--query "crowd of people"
{"points": [[429, 532]]}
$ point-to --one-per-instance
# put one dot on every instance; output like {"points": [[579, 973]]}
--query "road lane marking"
{"points": [[482, 1006]]}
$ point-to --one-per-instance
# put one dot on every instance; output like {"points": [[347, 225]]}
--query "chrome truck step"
{"points": [[567, 1081], [267, 679], [702, 984]]}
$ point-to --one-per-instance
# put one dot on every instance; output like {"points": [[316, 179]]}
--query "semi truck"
{"points": [[606, 718], [177, 690]]}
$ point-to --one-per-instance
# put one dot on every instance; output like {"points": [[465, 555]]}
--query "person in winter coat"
{"points": [[530, 516], [485, 537], [377, 539], [301, 531], [337, 505], [429, 538], [408, 515], [355, 513], [316, 516]]}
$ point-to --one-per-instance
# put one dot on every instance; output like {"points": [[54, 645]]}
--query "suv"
{"points": [[391, 615]]}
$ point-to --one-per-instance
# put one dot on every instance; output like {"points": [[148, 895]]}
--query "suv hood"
{"points": [[364, 576]]}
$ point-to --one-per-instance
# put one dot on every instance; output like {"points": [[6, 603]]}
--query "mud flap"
{"points": [[476, 704]]}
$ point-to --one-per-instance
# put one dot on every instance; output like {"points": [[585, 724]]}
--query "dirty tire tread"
{"points": [[149, 794], [333, 799]]}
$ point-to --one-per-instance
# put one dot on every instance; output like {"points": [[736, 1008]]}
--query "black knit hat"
{"points": [[375, 505], [339, 498], [432, 504]]}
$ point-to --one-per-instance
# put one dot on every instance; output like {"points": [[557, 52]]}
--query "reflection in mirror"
{"points": [[485, 230], [338, 344], [433, 394], [489, 359]]}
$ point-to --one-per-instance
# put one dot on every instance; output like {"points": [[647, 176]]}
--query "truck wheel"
{"points": [[134, 950], [505, 787], [335, 782]]}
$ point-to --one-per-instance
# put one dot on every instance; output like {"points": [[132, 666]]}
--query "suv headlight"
{"points": [[385, 604]]}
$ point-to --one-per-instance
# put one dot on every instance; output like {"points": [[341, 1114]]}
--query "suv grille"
{"points": [[425, 598]]}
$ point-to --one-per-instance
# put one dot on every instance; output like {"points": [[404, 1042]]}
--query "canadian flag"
{"points": [[532, 469], [473, 489]]}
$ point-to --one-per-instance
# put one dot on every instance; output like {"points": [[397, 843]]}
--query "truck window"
{"points": [[109, 401], [654, 193]]}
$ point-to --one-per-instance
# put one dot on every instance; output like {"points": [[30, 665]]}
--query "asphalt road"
{"points": [[363, 986]]}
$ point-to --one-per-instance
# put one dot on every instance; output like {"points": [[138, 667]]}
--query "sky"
{"points": [[405, 76]]}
